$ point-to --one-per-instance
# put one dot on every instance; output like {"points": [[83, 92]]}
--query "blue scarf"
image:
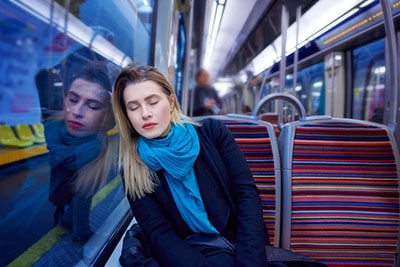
{"points": [[176, 154], [71, 151]]}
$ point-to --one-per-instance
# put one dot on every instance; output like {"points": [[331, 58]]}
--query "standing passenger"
{"points": [[206, 99], [77, 142]]}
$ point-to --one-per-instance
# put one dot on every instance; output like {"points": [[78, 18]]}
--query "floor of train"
{"points": [[28, 236]]}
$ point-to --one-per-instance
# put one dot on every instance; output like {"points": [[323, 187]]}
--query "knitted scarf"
{"points": [[176, 154]]}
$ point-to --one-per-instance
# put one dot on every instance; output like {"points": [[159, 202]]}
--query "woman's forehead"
{"points": [[88, 89], [142, 89]]}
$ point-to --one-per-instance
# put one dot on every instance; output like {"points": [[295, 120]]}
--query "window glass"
{"points": [[60, 194], [310, 88], [369, 81]]}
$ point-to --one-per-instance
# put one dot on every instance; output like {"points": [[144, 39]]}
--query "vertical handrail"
{"points": [[296, 52], [282, 64], [185, 87], [392, 78], [392, 73]]}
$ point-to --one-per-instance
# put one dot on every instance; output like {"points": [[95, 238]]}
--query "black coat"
{"points": [[230, 198]]}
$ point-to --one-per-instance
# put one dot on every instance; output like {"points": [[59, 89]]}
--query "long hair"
{"points": [[95, 174], [138, 177]]}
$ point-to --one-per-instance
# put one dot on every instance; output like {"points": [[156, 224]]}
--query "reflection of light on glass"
{"points": [[316, 94], [380, 70], [73, 27], [298, 88], [145, 7], [338, 57], [366, 3], [317, 84]]}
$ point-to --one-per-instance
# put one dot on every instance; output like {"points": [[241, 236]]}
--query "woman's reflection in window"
{"points": [[80, 150]]}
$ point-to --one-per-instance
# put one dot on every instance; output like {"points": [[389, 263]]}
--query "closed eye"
{"points": [[132, 107], [153, 102]]}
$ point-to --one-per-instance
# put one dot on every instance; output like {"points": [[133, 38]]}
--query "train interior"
{"points": [[310, 92]]}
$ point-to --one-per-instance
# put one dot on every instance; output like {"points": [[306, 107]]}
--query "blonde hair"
{"points": [[94, 175], [138, 177]]}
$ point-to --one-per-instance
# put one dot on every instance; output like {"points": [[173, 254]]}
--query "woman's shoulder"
{"points": [[211, 127], [210, 123], [210, 120]]}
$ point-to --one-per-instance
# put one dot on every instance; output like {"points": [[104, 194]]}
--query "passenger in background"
{"points": [[78, 144], [188, 183], [206, 100]]}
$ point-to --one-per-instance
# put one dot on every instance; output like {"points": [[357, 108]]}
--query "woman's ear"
{"points": [[171, 99]]}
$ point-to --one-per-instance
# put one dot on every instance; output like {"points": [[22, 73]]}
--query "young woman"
{"points": [[187, 183], [79, 149]]}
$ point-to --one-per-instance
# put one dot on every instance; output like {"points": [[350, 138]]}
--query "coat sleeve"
{"points": [[250, 237], [166, 246]]}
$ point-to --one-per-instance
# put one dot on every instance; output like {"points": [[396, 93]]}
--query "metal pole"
{"points": [[296, 52], [185, 84], [282, 66], [392, 72]]}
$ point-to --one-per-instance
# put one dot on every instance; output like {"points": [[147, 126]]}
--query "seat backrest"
{"points": [[23, 131], [340, 183], [8, 138], [6, 132], [273, 119], [259, 145], [38, 129]]}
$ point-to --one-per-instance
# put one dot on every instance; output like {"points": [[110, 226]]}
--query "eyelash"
{"points": [[90, 105], [151, 103]]}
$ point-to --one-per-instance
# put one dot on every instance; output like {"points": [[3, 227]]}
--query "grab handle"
{"points": [[283, 96]]}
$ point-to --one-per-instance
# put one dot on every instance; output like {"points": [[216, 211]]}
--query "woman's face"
{"points": [[85, 107], [148, 108]]}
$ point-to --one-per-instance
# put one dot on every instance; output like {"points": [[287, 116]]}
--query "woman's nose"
{"points": [[146, 112], [78, 110]]}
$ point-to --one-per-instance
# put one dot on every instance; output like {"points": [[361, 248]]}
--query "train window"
{"points": [[310, 88], [60, 194], [369, 81]]}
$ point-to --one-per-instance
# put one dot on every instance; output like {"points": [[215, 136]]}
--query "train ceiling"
{"points": [[245, 29]]}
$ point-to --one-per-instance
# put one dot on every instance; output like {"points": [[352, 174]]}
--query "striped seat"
{"points": [[340, 192], [258, 143]]}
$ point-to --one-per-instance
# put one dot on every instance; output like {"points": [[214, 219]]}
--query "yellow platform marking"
{"points": [[9, 155]]}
